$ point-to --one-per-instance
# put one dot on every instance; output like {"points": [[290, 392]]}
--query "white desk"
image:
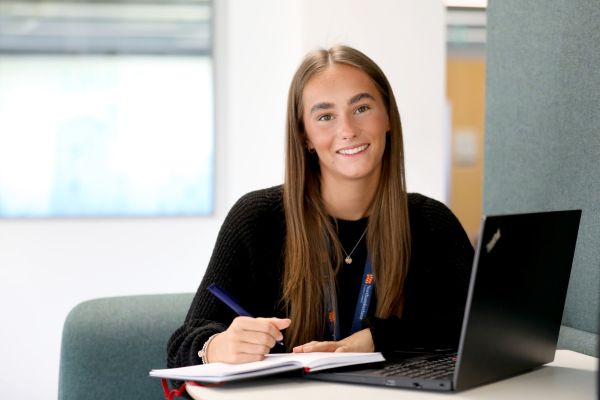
{"points": [[571, 376]]}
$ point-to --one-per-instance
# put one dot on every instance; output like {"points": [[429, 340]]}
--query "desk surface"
{"points": [[571, 376]]}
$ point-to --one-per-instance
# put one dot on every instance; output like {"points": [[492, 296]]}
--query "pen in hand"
{"points": [[226, 298]]}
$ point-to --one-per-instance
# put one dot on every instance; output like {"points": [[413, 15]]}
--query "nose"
{"points": [[346, 128]]}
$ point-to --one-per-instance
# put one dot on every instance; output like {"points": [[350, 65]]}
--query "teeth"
{"points": [[354, 150]]}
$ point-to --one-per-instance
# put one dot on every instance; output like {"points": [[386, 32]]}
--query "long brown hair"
{"points": [[311, 237]]}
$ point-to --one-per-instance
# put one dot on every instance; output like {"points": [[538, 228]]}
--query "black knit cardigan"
{"points": [[248, 262]]}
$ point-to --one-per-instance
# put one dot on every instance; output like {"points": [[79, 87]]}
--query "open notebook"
{"points": [[272, 364]]}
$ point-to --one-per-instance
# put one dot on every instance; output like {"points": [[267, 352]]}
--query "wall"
{"points": [[465, 89], [542, 142], [48, 266]]}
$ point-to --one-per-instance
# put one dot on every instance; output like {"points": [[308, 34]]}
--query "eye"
{"points": [[325, 117], [362, 109]]}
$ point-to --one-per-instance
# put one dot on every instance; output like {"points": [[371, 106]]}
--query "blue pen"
{"points": [[226, 298]]}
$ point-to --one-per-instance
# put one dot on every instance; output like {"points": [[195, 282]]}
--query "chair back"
{"points": [[110, 344]]}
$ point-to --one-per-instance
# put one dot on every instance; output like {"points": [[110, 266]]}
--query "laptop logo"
{"points": [[490, 246]]}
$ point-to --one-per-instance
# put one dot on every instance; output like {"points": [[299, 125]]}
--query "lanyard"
{"points": [[362, 304]]}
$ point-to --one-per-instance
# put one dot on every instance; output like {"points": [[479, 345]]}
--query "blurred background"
{"points": [[128, 128]]}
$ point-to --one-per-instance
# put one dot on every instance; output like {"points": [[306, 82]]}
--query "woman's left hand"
{"points": [[361, 342]]}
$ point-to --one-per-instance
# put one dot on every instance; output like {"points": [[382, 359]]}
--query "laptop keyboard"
{"points": [[432, 367]]}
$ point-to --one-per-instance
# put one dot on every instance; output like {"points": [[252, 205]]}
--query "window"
{"points": [[106, 109]]}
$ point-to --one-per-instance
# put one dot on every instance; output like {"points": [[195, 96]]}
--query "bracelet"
{"points": [[203, 353]]}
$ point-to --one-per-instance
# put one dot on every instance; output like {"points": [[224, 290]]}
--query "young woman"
{"points": [[341, 257]]}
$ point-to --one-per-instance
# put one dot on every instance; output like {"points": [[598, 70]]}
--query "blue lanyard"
{"points": [[362, 304]]}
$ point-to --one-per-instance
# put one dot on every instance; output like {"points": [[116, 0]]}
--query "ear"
{"points": [[309, 146]]}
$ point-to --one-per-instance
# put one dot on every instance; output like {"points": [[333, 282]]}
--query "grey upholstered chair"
{"points": [[110, 344]]}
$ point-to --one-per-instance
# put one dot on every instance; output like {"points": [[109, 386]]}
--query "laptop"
{"points": [[513, 312]]}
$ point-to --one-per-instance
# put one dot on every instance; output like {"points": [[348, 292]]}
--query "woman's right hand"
{"points": [[247, 339]]}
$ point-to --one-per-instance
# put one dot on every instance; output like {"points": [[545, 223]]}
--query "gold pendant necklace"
{"points": [[348, 259]]}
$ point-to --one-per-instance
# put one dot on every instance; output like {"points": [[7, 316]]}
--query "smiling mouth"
{"points": [[354, 150]]}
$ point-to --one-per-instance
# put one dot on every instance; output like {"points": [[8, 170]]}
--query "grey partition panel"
{"points": [[542, 143]]}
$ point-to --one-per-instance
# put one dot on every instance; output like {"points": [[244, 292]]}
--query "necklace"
{"points": [[348, 259]]}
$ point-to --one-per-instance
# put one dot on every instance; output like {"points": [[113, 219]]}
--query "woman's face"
{"points": [[346, 123]]}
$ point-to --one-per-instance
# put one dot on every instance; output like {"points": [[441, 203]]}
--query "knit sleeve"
{"points": [[436, 286], [207, 315]]}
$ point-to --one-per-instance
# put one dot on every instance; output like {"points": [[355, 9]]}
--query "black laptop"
{"points": [[513, 313]]}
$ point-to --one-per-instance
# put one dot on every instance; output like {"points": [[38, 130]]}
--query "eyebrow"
{"points": [[353, 100], [321, 106]]}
